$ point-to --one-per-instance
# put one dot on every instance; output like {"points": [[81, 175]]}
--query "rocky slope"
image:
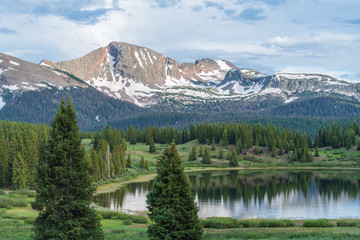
{"points": [[145, 77], [16, 74]]}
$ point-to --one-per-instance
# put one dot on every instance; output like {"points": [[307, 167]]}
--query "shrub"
{"points": [[127, 222], [30, 221], [219, 222], [2, 192], [6, 202], [138, 218], [118, 231], [317, 223], [18, 202], [247, 223], [272, 223], [343, 223]]}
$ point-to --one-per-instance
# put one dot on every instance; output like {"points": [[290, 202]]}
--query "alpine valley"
{"points": [[123, 84]]}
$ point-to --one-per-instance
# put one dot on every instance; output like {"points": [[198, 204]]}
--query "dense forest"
{"points": [[21, 145], [95, 110]]}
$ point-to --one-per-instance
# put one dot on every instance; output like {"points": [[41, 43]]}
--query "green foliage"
{"points": [[127, 222], [321, 223], [64, 184], [192, 154], [273, 223], [206, 156], [170, 203], [345, 223], [128, 162], [220, 222], [234, 161]]}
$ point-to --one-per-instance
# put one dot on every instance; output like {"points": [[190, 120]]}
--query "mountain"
{"points": [[123, 84], [147, 78]]}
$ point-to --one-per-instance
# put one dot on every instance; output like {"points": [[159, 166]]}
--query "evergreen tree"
{"points": [[193, 153], [19, 173], [234, 162], [221, 153], [225, 138], [65, 188], [170, 202], [257, 151], [317, 152], [147, 165], [245, 149], [213, 144], [273, 151], [128, 162], [142, 162], [4, 165], [239, 147], [152, 147], [201, 151], [206, 156]]}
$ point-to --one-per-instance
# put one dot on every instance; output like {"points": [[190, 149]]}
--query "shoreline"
{"points": [[109, 187]]}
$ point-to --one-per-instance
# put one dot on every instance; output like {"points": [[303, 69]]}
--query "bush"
{"points": [[219, 222], [2, 192], [30, 221], [272, 223], [138, 218], [17, 202], [6, 202], [118, 231], [343, 223], [127, 222], [317, 223], [122, 216], [247, 223]]}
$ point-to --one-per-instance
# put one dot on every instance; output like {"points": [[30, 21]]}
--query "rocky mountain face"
{"points": [[146, 78], [16, 74]]}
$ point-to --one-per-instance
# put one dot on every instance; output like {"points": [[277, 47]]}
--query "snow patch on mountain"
{"points": [[138, 59], [1, 60], [11, 87], [14, 63], [2, 103], [223, 65]]}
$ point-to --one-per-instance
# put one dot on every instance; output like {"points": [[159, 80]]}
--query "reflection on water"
{"points": [[258, 194]]}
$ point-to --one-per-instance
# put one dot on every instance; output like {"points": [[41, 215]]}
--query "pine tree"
{"points": [[213, 144], [4, 166], [221, 153], [147, 165], [170, 202], [317, 152], [65, 188], [257, 151], [201, 151], [206, 156], [234, 162], [142, 162], [193, 153], [128, 162], [19, 173], [273, 151], [152, 147]]}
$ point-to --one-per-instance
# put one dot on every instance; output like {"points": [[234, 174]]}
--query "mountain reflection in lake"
{"points": [[257, 194]]}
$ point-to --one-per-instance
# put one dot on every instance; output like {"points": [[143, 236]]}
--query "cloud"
{"points": [[82, 11], [5, 30], [268, 2], [251, 14], [211, 4], [355, 21], [167, 3]]}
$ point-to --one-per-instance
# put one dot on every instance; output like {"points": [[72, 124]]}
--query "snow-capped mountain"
{"points": [[145, 77]]}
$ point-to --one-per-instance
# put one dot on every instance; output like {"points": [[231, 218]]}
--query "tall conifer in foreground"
{"points": [[64, 183], [170, 203]]}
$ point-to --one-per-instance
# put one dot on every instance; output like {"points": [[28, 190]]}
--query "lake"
{"points": [[243, 194]]}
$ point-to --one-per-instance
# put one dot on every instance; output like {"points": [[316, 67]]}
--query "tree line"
{"points": [[21, 145]]}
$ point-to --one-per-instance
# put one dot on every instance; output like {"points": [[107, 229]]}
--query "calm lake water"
{"points": [[258, 194]]}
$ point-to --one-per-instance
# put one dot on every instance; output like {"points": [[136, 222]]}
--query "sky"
{"points": [[270, 36]]}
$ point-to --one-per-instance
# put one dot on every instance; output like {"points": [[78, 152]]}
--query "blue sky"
{"points": [[311, 36]]}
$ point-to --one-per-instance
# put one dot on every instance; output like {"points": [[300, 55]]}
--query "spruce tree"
{"points": [[170, 202], [221, 153], [234, 162], [4, 166], [152, 147], [206, 156], [142, 162], [65, 188], [19, 173], [316, 152], [128, 162], [201, 151]]}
